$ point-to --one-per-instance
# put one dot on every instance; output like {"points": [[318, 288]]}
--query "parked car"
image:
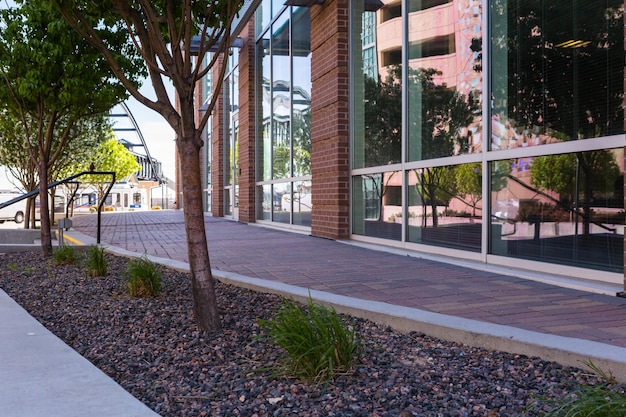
{"points": [[14, 212]]}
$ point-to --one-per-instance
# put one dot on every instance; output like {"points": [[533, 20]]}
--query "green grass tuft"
{"points": [[65, 255], [144, 278], [319, 345], [96, 264]]}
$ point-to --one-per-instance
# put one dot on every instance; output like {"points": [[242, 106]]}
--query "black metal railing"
{"points": [[71, 200]]}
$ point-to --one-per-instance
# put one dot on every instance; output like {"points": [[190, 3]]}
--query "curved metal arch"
{"points": [[154, 168]]}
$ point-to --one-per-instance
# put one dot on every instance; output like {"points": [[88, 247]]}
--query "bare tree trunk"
{"points": [[205, 300], [29, 217], [46, 238]]}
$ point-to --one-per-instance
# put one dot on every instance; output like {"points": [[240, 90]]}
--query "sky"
{"points": [[158, 135]]}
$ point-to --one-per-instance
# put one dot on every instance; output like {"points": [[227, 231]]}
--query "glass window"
{"points": [[265, 208], [285, 97], [281, 98], [377, 205], [444, 82], [282, 203], [377, 114], [302, 204], [264, 98], [262, 16], [301, 96], [566, 209], [557, 71], [445, 206]]}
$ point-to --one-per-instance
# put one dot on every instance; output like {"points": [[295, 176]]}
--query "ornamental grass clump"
{"points": [[319, 345], [604, 398], [65, 255], [144, 278], [96, 264]]}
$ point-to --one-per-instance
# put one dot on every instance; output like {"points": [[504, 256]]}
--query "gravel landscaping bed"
{"points": [[151, 347]]}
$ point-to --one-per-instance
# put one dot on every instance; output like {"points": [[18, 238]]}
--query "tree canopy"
{"points": [[52, 79], [179, 41]]}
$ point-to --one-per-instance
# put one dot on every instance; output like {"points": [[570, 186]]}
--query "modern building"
{"points": [[491, 131]]}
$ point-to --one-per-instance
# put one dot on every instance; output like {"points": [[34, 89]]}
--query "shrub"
{"points": [[96, 262], [65, 255], [156, 207], [144, 279], [319, 345]]}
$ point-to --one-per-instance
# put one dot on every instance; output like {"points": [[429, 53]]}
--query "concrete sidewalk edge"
{"points": [[564, 350], [45, 377]]}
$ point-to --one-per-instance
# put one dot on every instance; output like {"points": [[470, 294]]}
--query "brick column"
{"points": [[247, 127], [217, 150], [330, 119]]}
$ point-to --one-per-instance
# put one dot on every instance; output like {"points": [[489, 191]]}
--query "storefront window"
{"points": [[284, 94], [377, 205], [566, 209], [557, 71], [444, 80], [445, 206]]}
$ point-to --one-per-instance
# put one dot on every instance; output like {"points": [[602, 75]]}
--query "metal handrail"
{"points": [[34, 193]]}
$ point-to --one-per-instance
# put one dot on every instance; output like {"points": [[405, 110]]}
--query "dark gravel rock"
{"points": [[152, 348]]}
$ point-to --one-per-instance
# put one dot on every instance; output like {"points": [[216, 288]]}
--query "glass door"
{"points": [[231, 189]]}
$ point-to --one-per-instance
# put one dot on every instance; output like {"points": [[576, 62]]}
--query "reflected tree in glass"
{"points": [[579, 179], [469, 178], [562, 67], [383, 118], [436, 187], [302, 142]]}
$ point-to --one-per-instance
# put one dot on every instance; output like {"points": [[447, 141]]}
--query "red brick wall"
{"points": [[247, 127], [330, 119], [217, 151]]}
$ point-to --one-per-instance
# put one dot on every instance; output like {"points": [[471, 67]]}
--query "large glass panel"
{"points": [[282, 203], [302, 203], [265, 208], [557, 71], [377, 205], [281, 98], [566, 209], [301, 102], [445, 207], [264, 100], [228, 160], [263, 16], [377, 97], [444, 80]]}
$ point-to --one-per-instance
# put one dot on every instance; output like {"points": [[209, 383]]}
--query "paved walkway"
{"points": [[475, 306], [40, 375]]}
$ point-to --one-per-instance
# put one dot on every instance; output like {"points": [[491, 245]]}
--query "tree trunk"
{"points": [[204, 298], [44, 218]]}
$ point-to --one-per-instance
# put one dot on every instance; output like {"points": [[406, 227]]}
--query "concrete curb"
{"points": [[567, 351]]}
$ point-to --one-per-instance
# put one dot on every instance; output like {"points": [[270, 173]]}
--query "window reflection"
{"points": [[567, 209], [558, 70], [377, 208], [445, 206], [281, 98], [285, 63]]}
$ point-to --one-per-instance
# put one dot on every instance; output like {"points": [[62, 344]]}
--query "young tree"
{"points": [[162, 31], [109, 156], [51, 78]]}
